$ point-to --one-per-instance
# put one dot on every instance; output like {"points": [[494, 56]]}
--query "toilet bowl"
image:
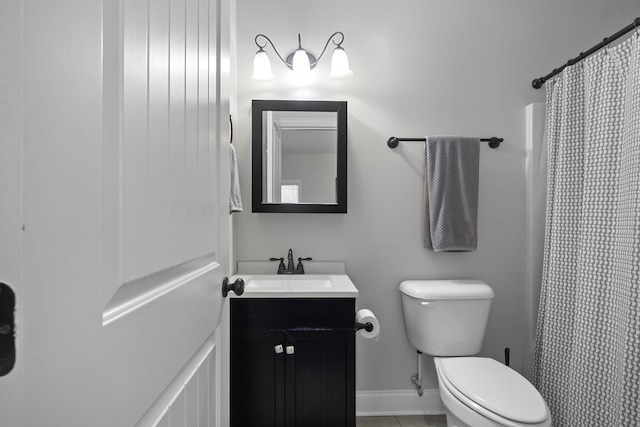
{"points": [[447, 319]]}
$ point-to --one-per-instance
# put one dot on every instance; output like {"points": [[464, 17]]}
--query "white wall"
{"points": [[420, 67], [316, 173]]}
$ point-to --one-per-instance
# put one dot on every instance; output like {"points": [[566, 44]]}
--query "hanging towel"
{"points": [[235, 201], [451, 193]]}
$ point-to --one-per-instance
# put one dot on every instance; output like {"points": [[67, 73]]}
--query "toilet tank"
{"points": [[446, 317]]}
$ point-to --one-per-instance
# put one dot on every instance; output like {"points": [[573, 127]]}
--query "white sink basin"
{"points": [[308, 282], [297, 286]]}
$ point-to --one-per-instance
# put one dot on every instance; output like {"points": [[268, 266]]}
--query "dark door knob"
{"points": [[7, 329], [237, 287]]}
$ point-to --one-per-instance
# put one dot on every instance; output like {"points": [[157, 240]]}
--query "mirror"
{"points": [[299, 156]]}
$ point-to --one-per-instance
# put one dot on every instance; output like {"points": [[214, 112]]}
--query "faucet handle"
{"points": [[281, 265], [300, 267]]}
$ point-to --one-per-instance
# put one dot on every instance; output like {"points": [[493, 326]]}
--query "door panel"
{"points": [[169, 110], [11, 189], [125, 238]]}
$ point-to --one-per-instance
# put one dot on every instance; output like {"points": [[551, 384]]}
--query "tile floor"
{"points": [[403, 421]]}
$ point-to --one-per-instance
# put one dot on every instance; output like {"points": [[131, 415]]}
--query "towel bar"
{"points": [[494, 142]]}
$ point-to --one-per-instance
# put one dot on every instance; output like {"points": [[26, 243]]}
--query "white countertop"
{"points": [[310, 285]]}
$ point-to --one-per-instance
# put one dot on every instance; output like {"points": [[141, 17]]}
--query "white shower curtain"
{"points": [[587, 356]]}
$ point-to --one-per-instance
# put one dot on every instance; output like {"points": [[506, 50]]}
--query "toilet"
{"points": [[447, 319]]}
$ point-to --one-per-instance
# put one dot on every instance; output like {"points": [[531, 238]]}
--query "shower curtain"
{"points": [[587, 355]]}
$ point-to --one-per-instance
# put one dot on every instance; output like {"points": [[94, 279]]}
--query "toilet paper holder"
{"points": [[368, 326]]}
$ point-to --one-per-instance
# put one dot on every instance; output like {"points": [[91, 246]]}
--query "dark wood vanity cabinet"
{"points": [[292, 362]]}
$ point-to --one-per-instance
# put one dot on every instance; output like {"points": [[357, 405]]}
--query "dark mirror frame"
{"points": [[257, 109]]}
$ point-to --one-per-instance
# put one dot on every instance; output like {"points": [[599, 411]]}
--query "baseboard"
{"points": [[398, 402]]}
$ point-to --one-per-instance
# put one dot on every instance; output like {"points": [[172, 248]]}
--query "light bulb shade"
{"points": [[340, 64], [301, 65], [261, 67]]}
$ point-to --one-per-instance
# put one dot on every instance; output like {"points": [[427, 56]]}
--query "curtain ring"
{"points": [[635, 25]]}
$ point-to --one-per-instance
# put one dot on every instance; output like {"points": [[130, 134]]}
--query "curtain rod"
{"points": [[494, 142], [537, 83]]}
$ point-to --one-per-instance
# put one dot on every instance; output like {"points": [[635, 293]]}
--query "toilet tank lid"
{"points": [[446, 289]]}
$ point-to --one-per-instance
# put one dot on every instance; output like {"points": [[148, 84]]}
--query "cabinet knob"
{"points": [[278, 348], [290, 349]]}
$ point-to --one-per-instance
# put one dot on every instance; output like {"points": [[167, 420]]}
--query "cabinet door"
{"points": [[320, 389], [258, 379], [311, 382]]}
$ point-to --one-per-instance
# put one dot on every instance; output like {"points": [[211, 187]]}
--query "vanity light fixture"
{"points": [[301, 61]]}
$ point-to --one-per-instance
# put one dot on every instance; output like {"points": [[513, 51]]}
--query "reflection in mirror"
{"points": [[299, 156]]}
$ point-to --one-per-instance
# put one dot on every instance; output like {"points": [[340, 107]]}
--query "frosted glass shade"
{"points": [[340, 64], [301, 65], [261, 67]]}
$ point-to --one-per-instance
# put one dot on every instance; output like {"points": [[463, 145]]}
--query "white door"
{"points": [[114, 127]]}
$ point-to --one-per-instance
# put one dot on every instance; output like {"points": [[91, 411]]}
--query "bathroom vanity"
{"points": [[293, 351]]}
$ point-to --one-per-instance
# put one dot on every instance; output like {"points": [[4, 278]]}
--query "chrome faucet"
{"points": [[289, 269]]}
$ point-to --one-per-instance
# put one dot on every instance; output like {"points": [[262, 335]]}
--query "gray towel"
{"points": [[451, 193], [235, 201]]}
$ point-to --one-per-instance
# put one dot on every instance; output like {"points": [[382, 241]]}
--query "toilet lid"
{"points": [[495, 387]]}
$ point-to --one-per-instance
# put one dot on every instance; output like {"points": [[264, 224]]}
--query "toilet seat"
{"points": [[493, 390]]}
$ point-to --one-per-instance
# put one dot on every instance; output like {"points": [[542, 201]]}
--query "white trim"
{"points": [[138, 293], [224, 364], [157, 411], [398, 402], [535, 200]]}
